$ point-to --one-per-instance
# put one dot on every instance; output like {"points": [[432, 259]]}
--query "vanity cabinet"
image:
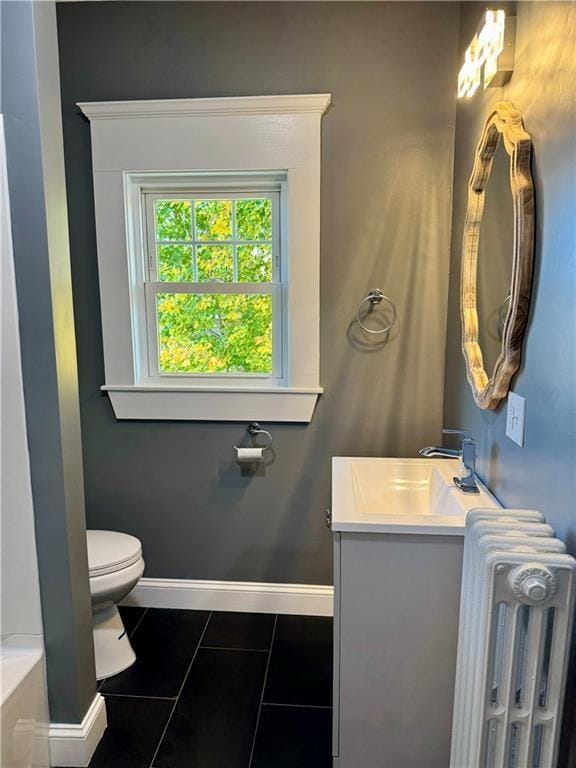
{"points": [[396, 605], [398, 527]]}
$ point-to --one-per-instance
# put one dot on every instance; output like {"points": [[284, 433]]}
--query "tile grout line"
{"points": [[263, 689], [157, 750], [138, 696], [100, 687], [297, 706], [131, 635], [221, 648]]}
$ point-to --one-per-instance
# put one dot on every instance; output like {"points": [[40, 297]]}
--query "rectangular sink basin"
{"points": [[401, 496]]}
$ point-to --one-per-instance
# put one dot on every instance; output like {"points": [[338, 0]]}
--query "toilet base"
{"points": [[112, 649]]}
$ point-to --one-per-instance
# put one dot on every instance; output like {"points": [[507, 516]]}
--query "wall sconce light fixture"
{"points": [[490, 55]]}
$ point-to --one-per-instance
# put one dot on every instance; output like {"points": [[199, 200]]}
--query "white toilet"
{"points": [[115, 563]]}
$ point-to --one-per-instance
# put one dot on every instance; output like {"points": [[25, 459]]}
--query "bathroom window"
{"points": [[214, 283], [208, 235]]}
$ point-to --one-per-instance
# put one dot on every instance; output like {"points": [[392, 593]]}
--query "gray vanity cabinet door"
{"points": [[396, 618]]}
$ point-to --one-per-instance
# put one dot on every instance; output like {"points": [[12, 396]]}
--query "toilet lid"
{"points": [[110, 551]]}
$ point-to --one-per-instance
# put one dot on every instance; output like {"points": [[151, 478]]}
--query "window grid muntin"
{"points": [[235, 246], [194, 254], [275, 288], [214, 194]]}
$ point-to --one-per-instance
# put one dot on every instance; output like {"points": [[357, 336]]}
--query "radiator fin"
{"points": [[516, 613]]}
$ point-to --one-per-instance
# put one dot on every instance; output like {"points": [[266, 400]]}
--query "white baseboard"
{"points": [[246, 596], [73, 744]]}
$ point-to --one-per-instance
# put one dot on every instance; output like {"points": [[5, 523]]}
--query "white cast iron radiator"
{"points": [[516, 611]]}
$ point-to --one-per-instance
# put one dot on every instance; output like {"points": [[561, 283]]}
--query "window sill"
{"points": [[189, 403]]}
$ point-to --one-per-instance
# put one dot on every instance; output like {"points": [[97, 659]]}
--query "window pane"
{"points": [[215, 262], [254, 263], [213, 219], [254, 219], [214, 333], [175, 263], [173, 220]]}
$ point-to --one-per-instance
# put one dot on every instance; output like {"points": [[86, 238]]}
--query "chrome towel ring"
{"points": [[255, 429], [374, 297]]}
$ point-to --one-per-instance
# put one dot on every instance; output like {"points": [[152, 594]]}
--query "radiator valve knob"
{"points": [[533, 584]]}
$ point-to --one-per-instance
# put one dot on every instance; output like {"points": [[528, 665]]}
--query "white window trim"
{"points": [[266, 135]]}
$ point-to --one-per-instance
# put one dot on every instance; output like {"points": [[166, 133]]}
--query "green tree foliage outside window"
{"points": [[215, 333], [214, 241]]}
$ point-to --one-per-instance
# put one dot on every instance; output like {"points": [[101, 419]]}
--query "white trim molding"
{"points": [[73, 744], [295, 104], [140, 145], [242, 596], [223, 404]]}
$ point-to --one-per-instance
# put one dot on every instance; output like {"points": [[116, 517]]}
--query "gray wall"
{"points": [[30, 103], [542, 473], [386, 179]]}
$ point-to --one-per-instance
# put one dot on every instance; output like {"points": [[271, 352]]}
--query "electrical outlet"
{"points": [[515, 418]]}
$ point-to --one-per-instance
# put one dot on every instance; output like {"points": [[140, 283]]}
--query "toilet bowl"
{"points": [[115, 564]]}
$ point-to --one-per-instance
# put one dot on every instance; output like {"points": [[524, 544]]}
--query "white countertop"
{"points": [[384, 495]]}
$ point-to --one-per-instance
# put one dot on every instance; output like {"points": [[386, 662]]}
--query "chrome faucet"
{"points": [[466, 481]]}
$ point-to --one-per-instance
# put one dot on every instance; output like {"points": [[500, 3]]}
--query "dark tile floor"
{"points": [[220, 690]]}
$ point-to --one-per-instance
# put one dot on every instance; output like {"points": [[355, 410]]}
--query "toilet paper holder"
{"points": [[253, 455]]}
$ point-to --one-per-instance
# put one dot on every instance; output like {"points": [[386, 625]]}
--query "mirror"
{"points": [[497, 255], [495, 249]]}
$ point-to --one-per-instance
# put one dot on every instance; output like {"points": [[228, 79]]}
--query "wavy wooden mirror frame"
{"points": [[503, 122]]}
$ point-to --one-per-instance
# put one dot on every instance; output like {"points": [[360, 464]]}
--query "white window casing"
{"points": [[247, 143]]}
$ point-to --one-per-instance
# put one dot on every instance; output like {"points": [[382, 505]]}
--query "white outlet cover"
{"points": [[515, 417]]}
